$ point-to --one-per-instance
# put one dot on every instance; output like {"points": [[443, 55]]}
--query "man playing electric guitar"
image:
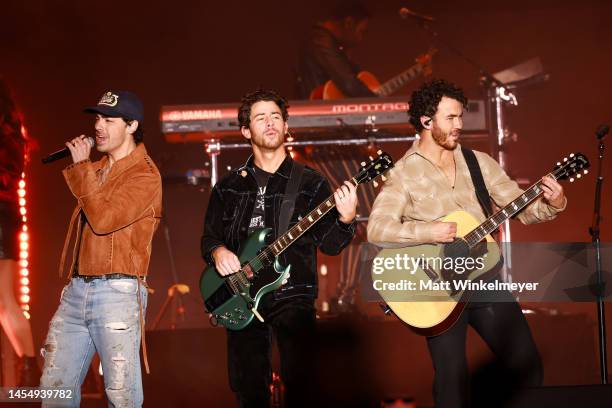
{"points": [[323, 54], [325, 69], [431, 181], [250, 198]]}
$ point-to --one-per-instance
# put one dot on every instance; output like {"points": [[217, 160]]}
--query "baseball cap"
{"points": [[119, 104]]}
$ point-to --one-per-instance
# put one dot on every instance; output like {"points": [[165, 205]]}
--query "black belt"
{"points": [[89, 278], [288, 291]]}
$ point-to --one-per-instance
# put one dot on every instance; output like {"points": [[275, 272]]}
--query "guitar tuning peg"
{"points": [[571, 180], [558, 163], [565, 159], [370, 157], [375, 183], [578, 175], [572, 155], [383, 178], [379, 152], [363, 164], [586, 172]]}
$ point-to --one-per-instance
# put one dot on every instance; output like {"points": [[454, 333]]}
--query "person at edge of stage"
{"points": [[431, 180], [13, 152], [118, 209], [250, 198]]}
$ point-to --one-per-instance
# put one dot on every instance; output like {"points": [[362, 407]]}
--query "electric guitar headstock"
{"points": [[572, 167], [374, 169]]}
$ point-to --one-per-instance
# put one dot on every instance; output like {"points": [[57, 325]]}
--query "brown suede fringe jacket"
{"points": [[117, 216]]}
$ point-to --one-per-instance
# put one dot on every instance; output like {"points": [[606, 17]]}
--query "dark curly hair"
{"points": [[138, 133], [424, 101], [248, 100]]}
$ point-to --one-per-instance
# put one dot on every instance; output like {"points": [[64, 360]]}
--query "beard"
{"points": [[268, 142], [443, 139]]}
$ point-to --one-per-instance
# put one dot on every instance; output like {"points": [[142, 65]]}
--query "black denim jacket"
{"points": [[229, 213]]}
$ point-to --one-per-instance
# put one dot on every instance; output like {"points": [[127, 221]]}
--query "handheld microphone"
{"points": [[404, 13], [65, 152]]}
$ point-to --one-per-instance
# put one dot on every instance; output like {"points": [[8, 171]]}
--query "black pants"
{"points": [[504, 328], [292, 321]]}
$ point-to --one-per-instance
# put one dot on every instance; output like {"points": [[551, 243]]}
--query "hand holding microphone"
{"points": [[79, 148]]}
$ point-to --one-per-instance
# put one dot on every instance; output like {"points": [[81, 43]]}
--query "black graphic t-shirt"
{"points": [[258, 217]]}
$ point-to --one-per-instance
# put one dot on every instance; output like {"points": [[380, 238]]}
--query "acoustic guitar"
{"points": [[439, 295]]}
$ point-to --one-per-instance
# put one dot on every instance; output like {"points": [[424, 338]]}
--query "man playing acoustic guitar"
{"points": [[251, 198], [432, 180]]}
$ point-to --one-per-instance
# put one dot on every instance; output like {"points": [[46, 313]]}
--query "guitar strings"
{"points": [[324, 209], [473, 237]]}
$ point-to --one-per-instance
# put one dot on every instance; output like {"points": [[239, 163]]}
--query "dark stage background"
{"points": [[59, 56]]}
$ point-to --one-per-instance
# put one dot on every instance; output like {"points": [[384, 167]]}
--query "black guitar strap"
{"points": [[481, 189], [288, 204]]}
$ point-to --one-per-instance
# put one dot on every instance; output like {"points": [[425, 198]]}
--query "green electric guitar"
{"points": [[232, 300]]}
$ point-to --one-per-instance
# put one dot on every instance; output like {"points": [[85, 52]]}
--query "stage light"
{"points": [[290, 139], [323, 270], [24, 246]]}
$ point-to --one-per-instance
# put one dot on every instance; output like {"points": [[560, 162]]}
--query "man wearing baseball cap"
{"points": [[117, 212]]}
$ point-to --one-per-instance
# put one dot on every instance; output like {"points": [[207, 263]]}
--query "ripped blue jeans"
{"points": [[100, 316]]}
